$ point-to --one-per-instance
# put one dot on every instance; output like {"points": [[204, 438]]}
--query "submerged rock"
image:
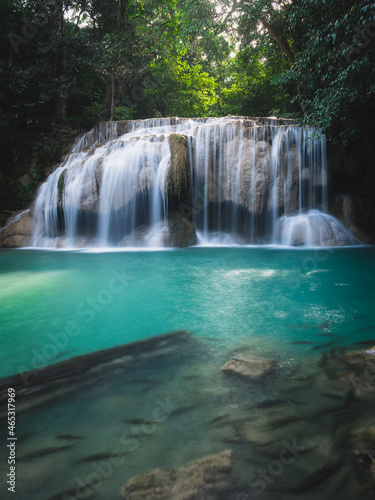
{"points": [[18, 233], [130, 357], [249, 367], [203, 479], [370, 352]]}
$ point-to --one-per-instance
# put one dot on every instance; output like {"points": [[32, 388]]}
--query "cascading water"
{"points": [[314, 228], [237, 179]]}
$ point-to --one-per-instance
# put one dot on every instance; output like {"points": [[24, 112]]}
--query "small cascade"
{"points": [[236, 179], [314, 229]]}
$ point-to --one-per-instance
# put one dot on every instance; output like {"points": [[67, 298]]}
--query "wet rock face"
{"points": [[249, 367], [18, 233], [181, 233], [176, 231], [203, 479], [178, 179]]}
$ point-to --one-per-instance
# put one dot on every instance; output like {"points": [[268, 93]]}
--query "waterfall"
{"points": [[314, 228], [237, 180]]}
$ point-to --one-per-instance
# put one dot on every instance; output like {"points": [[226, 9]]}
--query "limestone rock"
{"points": [[249, 367], [203, 479], [18, 233], [178, 177], [24, 179], [180, 232]]}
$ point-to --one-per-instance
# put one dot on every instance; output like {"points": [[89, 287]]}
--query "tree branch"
{"points": [[283, 45]]}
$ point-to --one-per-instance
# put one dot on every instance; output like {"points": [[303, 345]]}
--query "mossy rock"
{"points": [[60, 185], [178, 178], [181, 232]]}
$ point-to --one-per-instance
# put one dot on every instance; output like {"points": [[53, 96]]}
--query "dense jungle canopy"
{"points": [[67, 64]]}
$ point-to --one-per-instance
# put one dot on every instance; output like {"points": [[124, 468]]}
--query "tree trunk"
{"points": [[281, 43], [113, 100], [110, 99]]}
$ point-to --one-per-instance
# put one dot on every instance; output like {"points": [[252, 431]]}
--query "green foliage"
{"points": [[124, 113]]}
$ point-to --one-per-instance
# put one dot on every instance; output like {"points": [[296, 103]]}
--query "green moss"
{"points": [[60, 185]]}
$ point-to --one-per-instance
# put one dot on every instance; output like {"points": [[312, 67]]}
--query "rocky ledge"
{"points": [[18, 231]]}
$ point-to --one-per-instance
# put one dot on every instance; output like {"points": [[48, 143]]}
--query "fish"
{"points": [[248, 459], [366, 328], [323, 346], [336, 397], [335, 335], [139, 421], [218, 419], [345, 402], [302, 342], [183, 409], [344, 416], [234, 440], [72, 492], [365, 342], [44, 452], [313, 479], [69, 436], [287, 398], [270, 403], [282, 422], [190, 377], [100, 456]]}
